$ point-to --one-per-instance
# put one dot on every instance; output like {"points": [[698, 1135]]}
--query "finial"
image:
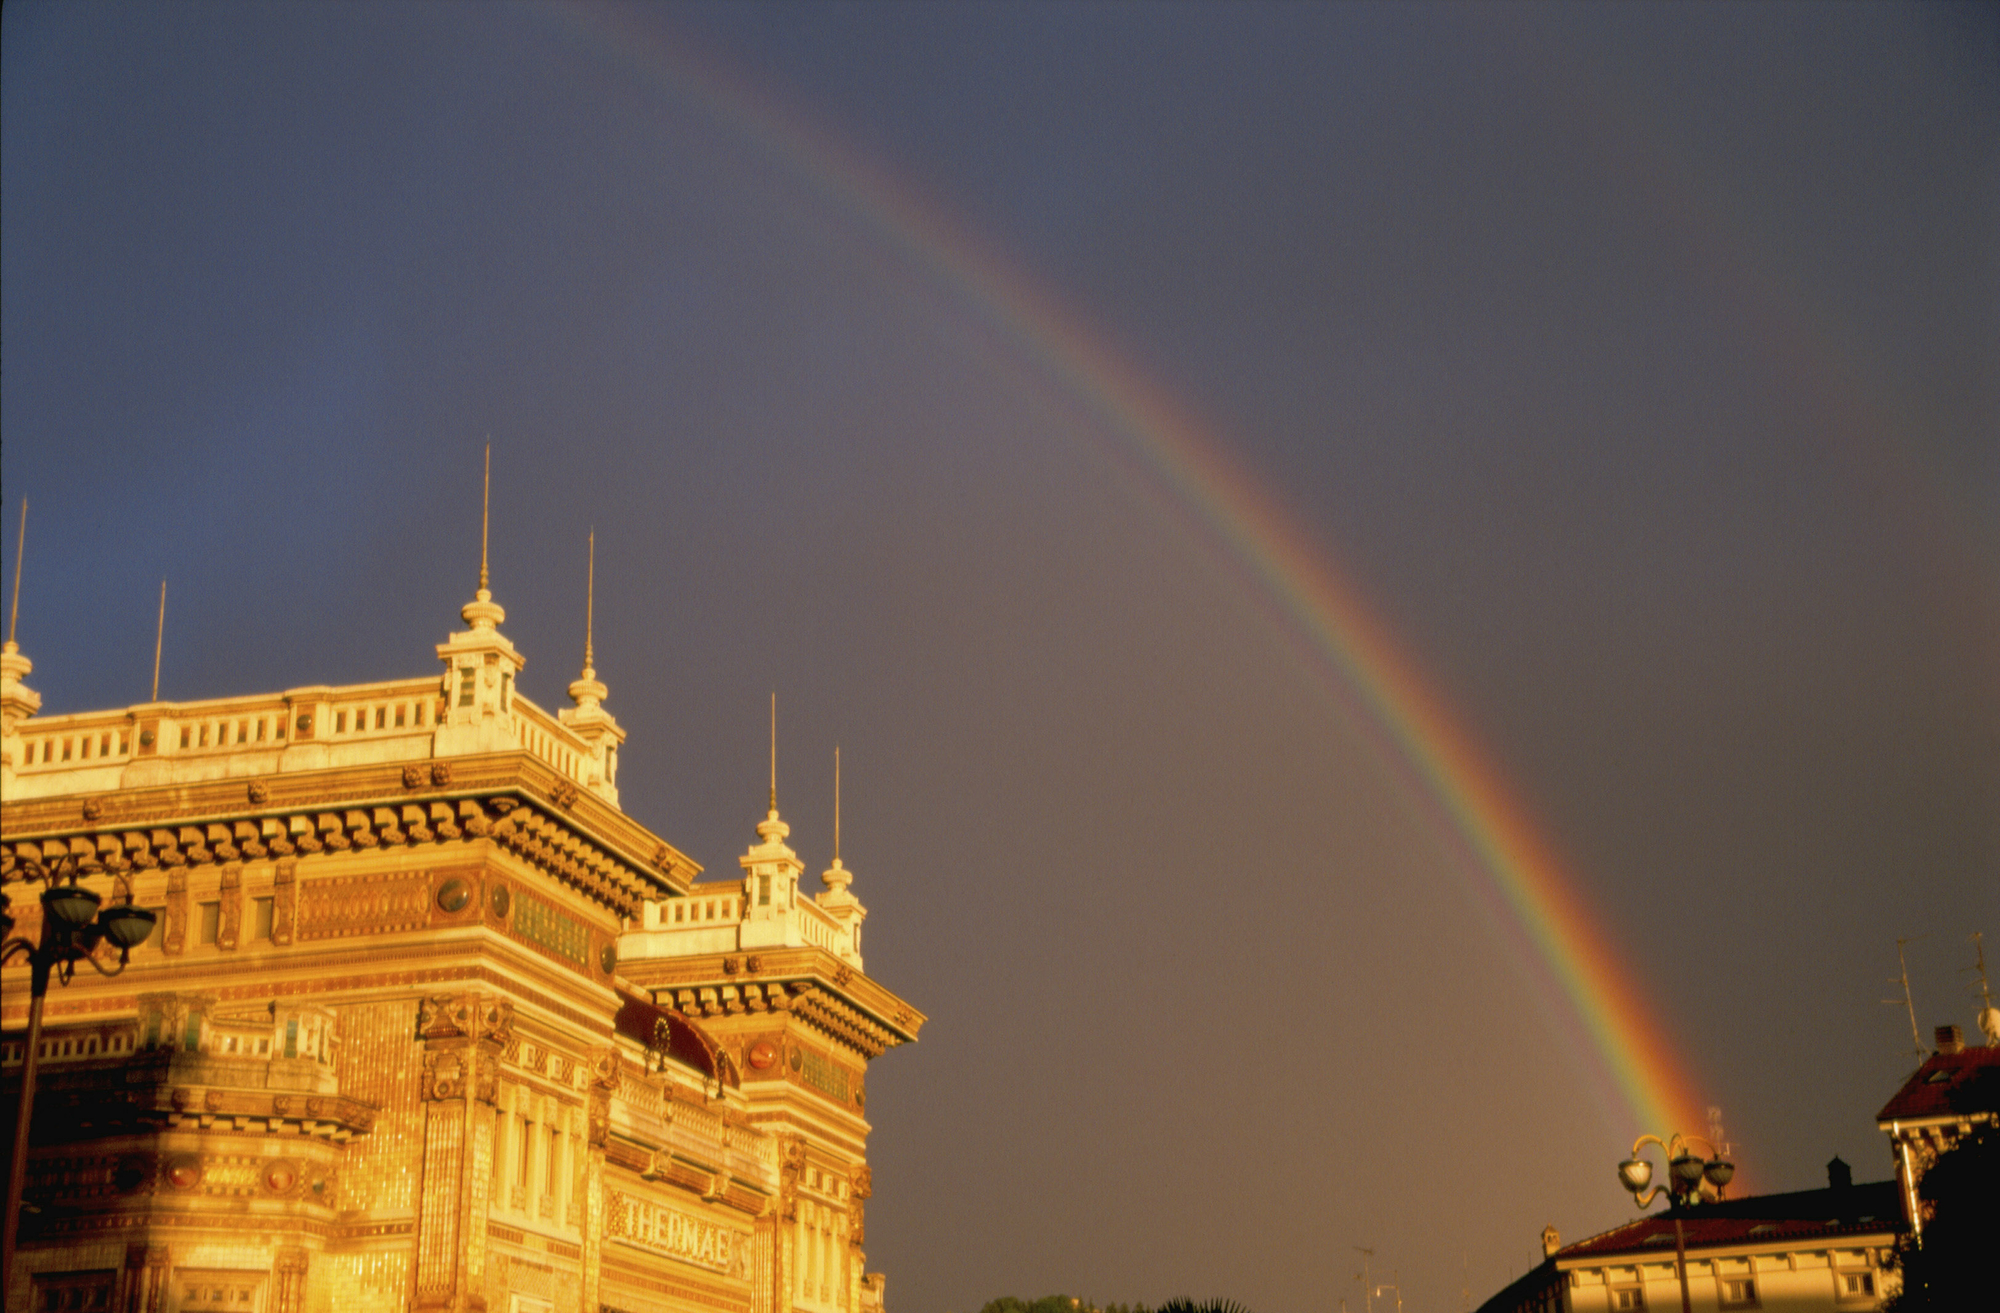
{"points": [[774, 752], [836, 877], [159, 640], [587, 690], [485, 504], [482, 612], [20, 545]]}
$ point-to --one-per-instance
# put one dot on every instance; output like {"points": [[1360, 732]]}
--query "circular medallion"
{"points": [[146, 738], [452, 895], [131, 1173], [305, 724], [763, 1055], [280, 1177], [608, 958], [501, 901], [797, 1061], [184, 1173]]}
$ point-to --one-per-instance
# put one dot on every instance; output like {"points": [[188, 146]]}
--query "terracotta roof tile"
{"points": [[1949, 1085]]}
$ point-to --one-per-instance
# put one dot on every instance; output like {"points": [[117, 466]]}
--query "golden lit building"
{"points": [[427, 1022]]}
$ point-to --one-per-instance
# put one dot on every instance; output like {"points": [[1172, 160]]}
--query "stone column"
{"points": [[285, 900], [146, 1268], [231, 920], [604, 1076], [288, 1273], [464, 1039], [174, 940]]}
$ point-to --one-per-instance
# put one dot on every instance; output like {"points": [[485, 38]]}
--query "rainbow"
{"points": [[1641, 1083]]}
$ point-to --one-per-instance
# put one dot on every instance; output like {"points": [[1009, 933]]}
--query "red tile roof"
{"points": [[1870, 1208], [1949, 1085], [1653, 1236]]}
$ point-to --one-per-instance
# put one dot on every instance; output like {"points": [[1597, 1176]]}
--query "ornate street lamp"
{"points": [[74, 924], [1686, 1174]]}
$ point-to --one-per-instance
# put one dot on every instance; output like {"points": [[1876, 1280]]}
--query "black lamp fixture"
{"points": [[75, 923]]}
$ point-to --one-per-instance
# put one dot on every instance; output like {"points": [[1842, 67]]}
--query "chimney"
{"points": [[1839, 1176], [1950, 1039], [1550, 1242]]}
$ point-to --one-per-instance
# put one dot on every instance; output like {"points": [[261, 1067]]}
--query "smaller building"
{"points": [[1809, 1249], [1957, 1089]]}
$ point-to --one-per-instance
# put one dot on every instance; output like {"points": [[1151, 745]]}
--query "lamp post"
{"points": [[1686, 1174], [74, 923]]}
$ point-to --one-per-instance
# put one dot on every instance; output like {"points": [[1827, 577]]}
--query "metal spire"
{"points": [[485, 502], [774, 752], [20, 545], [159, 639], [589, 608], [836, 804]]}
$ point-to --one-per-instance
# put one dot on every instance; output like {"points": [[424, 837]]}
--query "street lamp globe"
{"points": [[71, 907]]}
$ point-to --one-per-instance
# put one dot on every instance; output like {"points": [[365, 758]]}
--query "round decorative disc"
{"points": [[453, 895]]}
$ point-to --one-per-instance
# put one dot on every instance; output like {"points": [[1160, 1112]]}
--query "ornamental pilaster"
{"points": [[465, 1039]]}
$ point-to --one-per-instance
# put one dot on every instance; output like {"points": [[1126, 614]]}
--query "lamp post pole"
{"points": [[72, 928], [1686, 1174]]}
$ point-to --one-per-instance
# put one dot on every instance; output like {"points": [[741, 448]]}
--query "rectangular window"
{"points": [[381, 717], [1857, 1285], [1739, 1292], [242, 731], [159, 935], [260, 729], [260, 922], [402, 709], [466, 676], [1631, 1297], [420, 713], [67, 744], [104, 746], [764, 890], [211, 921], [525, 1178], [278, 731], [292, 1038], [506, 687], [340, 722], [85, 752]]}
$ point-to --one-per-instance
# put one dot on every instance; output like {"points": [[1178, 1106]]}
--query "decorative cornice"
{"points": [[746, 977], [518, 799]]}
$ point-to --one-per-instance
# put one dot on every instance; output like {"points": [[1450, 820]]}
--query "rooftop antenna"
{"points": [[20, 545], [485, 502], [1367, 1290], [774, 752], [1909, 1005], [159, 640], [1989, 1015], [836, 804]]}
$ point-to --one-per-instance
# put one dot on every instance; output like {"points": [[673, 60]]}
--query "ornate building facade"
{"points": [[427, 1021]]}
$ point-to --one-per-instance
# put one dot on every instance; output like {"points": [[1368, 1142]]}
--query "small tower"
{"points": [[771, 870], [481, 667], [838, 901], [588, 719], [17, 700]]}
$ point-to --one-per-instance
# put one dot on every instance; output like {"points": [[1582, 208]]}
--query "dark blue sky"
{"points": [[1640, 364]]}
